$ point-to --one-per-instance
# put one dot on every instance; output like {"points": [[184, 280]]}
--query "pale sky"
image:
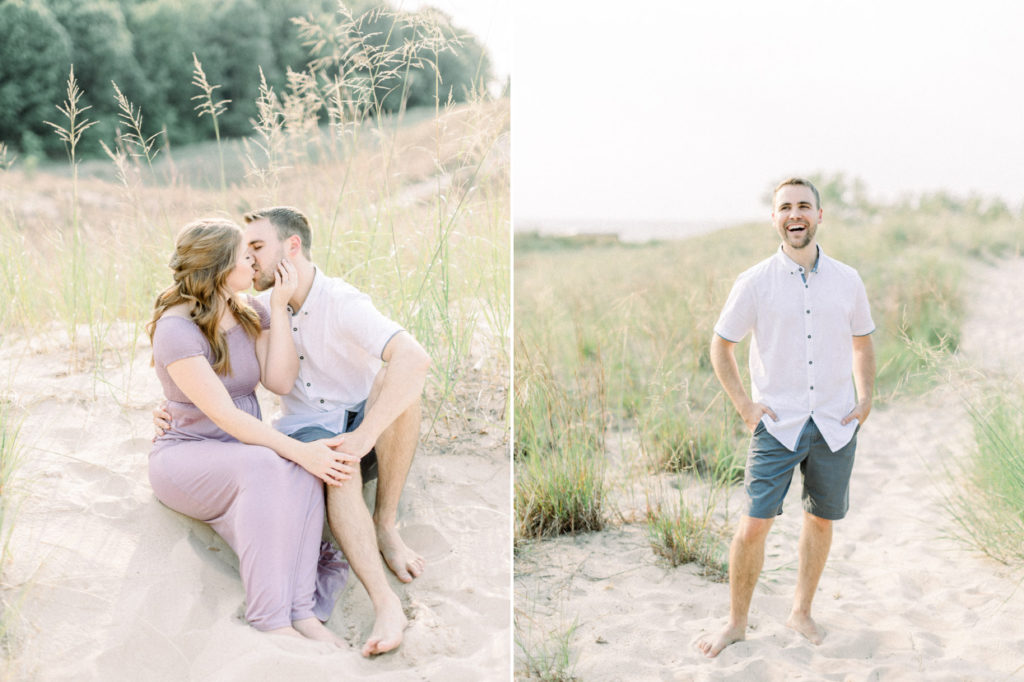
{"points": [[690, 111]]}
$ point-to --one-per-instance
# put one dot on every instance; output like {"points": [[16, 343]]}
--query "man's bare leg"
{"points": [[352, 526], [746, 557], [815, 542], [395, 449]]}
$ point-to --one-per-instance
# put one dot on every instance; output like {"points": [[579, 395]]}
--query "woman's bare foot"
{"points": [[400, 558], [387, 628], [287, 631], [711, 646], [311, 628], [805, 625]]}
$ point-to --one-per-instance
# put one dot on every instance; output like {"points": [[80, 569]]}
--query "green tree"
{"points": [[234, 44], [102, 51], [34, 56], [166, 33]]}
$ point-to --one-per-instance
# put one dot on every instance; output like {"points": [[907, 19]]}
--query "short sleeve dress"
{"points": [[268, 509]]}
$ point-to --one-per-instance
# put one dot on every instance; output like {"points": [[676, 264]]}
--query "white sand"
{"points": [[899, 601], [110, 585]]}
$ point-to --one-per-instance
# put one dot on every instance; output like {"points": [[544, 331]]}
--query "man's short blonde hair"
{"points": [[287, 221]]}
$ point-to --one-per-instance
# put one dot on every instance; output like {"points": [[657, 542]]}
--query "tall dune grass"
{"points": [[987, 503], [10, 455]]}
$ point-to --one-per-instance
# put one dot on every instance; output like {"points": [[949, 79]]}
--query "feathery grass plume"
{"points": [[208, 106], [138, 144], [6, 158], [75, 289], [271, 141], [300, 105], [987, 503]]}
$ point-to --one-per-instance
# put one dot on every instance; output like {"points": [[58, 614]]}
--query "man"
{"points": [[360, 375], [811, 327]]}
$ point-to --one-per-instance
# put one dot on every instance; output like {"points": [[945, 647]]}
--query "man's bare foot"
{"points": [[806, 626], [400, 558], [387, 628], [311, 628], [711, 646]]}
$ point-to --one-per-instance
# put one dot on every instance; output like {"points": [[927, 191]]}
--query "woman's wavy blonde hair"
{"points": [[205, 253]]}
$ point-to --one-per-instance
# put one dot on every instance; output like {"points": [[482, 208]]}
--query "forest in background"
{"points": [[388, 59]]}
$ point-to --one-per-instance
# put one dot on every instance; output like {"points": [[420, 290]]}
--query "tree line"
{"points": [[387, 59]]}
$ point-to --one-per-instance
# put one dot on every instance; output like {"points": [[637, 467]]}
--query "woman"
{"points": [[219, 463]]}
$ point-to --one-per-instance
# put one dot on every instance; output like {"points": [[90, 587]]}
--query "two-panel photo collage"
{"points": [[493, 340]]}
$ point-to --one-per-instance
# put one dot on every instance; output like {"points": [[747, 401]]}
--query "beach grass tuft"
{"points": [[685, 530], [559, 452], [987, 503], [548, 656]]}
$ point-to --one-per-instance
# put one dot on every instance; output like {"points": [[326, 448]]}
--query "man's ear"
{"points": [[294, 245]]}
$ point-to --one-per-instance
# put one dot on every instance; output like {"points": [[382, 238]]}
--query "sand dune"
{"points": [[899, 601], [110, 585]]}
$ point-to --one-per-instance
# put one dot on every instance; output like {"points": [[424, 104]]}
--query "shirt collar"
{"points": [[314, 291], [789, 263]]}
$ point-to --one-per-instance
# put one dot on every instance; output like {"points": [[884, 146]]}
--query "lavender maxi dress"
{"points": [[267, 508]]}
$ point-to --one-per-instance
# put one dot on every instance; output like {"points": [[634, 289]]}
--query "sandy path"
{"points": [[899, 601], [111, 585]]}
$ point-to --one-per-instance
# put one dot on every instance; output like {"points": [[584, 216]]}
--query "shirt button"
{"points": [[812, 388], [808, 312], [810, 362], [321, 401], [808, 336], [295, 329], [308, 384], [302, 357]]}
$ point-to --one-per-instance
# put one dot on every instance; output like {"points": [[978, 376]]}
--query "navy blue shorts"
{"points": [[826, 474], [368, 464]]}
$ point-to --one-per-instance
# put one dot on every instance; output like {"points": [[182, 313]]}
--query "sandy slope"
{"points": [[111, 585], [899, 601]]}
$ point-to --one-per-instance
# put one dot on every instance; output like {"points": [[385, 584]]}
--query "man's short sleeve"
{"points": [[861, 322], [740, 311], [361, 323]]}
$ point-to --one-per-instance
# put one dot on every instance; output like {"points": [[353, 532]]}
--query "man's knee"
{"points": [[752, 530], [352, 489], [816, 522]]}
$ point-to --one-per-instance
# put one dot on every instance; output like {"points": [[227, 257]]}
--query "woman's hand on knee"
{"points": [[331, 467]]}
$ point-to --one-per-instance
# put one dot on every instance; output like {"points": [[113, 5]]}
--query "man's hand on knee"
{"points": [[356, 442]]}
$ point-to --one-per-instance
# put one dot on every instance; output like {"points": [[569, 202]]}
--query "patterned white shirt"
{"points": [[801, 354], [339, 336]]}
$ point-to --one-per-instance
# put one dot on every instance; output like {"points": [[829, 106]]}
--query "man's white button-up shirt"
{"points": [[801, 353], [339, 336]]}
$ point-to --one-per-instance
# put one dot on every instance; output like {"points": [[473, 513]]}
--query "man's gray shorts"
{"points": [[826, 474], [368, 464]]}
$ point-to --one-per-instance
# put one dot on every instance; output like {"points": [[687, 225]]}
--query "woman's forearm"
{"points": [[281, 367]]}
